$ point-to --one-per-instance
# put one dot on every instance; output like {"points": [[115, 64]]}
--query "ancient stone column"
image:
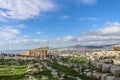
{"points": [[44, 54]]}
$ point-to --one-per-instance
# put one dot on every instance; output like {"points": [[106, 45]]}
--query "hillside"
{"points": [[84, 49]]}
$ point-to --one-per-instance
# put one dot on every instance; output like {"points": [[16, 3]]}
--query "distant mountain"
{"points": [[85, 48], [92, 47]]}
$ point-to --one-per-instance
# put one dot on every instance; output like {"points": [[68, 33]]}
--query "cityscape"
{"points": [[59, 40]]}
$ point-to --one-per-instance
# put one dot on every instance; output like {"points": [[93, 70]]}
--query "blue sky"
{"points": [[26, 24]]}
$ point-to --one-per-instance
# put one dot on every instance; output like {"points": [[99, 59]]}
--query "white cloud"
{"points": [[111, 28], [2, 19], [8, 32], [93, 18], [65, 39], [23, 43], [26, 36], [24, 9], [27, 43], [20, 26], [89, 18], [86, 2], [106, 35], [109, 34]]}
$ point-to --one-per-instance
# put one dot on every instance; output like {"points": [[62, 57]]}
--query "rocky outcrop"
{"points": [[106, 67], [115, 70]]}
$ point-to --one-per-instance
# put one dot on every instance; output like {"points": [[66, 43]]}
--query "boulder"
{"points": [[54, 73], [103, 77], [115, 70], [36, 70], [60, 63], [96, 75], [117, 78], [76, 69], [31, 78], [49, 68], [81, 68], [117, 62], [45, 77], [87, 70], [99, 65], [93, 63], [89, 74], [62, 75], [106, 67], [110, 78], [61, 79], [77, 78], [30, 66]]}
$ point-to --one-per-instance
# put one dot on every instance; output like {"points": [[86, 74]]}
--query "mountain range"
{"points": [[86, 48]]}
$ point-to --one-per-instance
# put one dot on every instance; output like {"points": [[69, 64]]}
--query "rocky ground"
{"points": [[60, 68]]}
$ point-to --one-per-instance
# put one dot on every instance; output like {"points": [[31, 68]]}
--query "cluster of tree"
{"points": [[116, 48]]}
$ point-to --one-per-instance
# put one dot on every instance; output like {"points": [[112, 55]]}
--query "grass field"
{"points": [[79, 60], [11, 69], [17, 69], [12, 72]]}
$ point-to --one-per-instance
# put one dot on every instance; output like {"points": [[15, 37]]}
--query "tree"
{"points": [[117, 48]]}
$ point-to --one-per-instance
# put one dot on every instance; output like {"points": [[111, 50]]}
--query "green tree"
{"points": [[117, 48]]}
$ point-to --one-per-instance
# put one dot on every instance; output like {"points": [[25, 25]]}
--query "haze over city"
{"points": [[28, 24]]}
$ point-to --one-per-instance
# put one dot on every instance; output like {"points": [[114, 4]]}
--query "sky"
{"points": [[26, 24]]}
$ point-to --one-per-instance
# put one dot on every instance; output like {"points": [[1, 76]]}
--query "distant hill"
{"points": [[85, 48]]}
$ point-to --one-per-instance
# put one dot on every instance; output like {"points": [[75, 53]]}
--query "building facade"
{"points": [[40, 53]]}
